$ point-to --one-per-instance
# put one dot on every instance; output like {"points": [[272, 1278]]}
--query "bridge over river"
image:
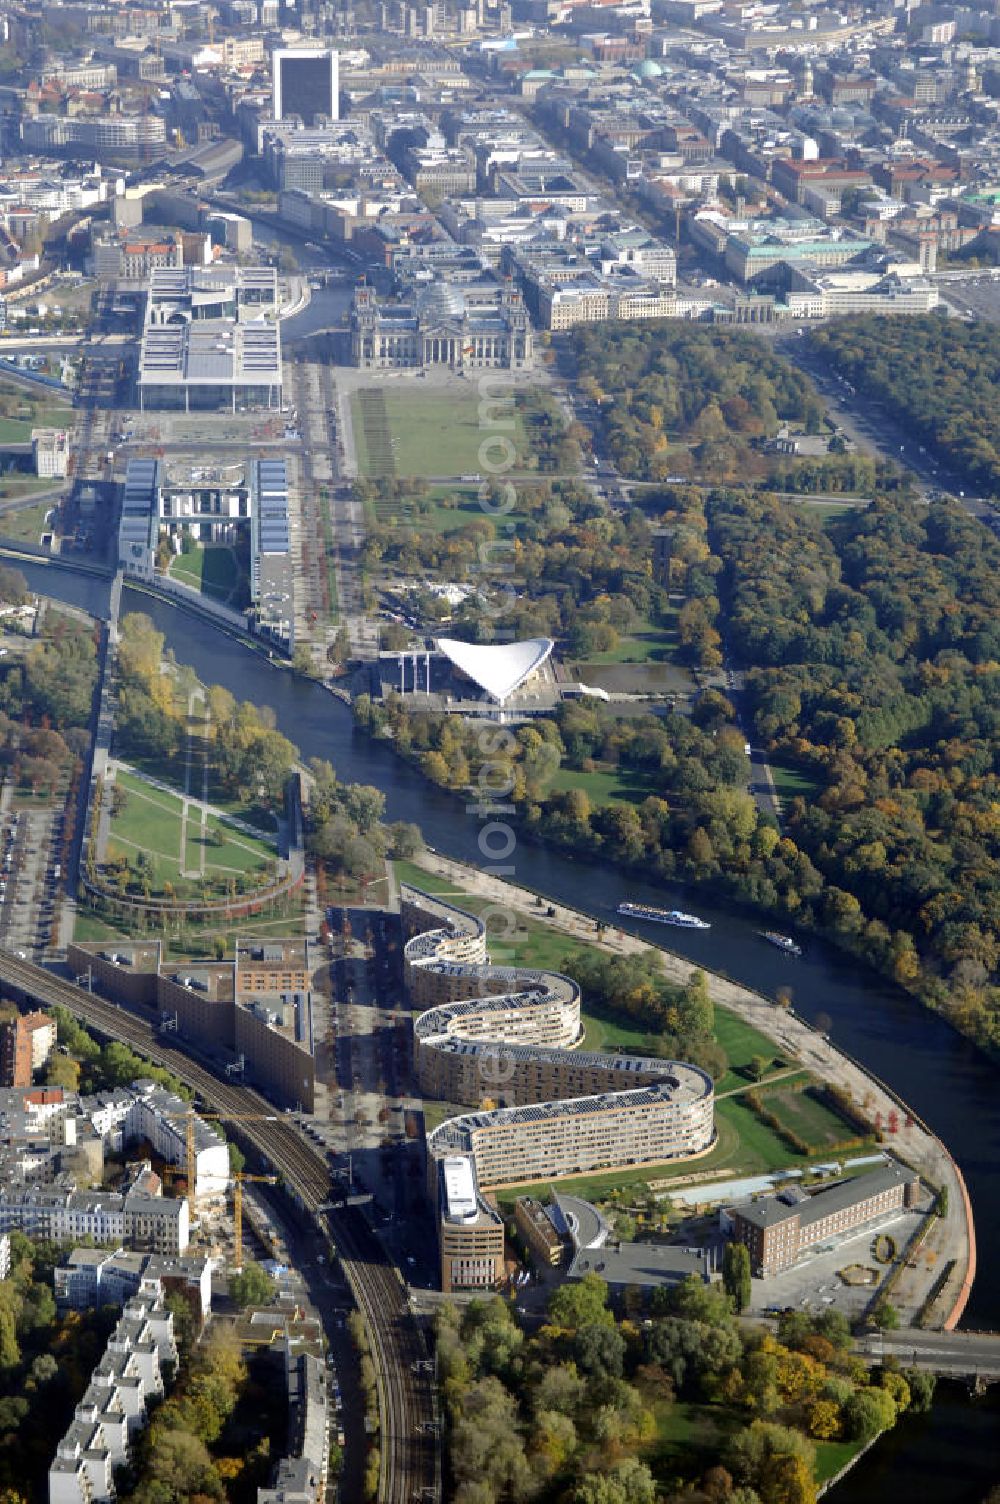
{"points": [[971, 1356]]}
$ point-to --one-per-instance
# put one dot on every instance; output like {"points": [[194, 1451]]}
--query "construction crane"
{"points": [[238, 1178], [189, 1119]]}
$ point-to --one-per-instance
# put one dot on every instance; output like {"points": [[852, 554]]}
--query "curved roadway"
{"points": [[408, 1444]]}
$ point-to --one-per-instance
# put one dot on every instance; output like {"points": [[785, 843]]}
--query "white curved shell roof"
{"points": [[498, 668]]}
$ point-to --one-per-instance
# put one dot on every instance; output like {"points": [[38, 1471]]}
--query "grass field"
{"points": [[830, 511], [423, 433], [792, 781], [198, 943], [212, 569], [151, 823], [808, 1116], [605, 785], [443, 509], [741, 1042], [27, 524], [653, 640], [436, 1113], [18, 430], [689, 1437]]}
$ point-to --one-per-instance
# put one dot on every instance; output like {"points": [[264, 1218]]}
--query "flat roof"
{"points": [[459, 1187], [645, 1264], [211, 352]]}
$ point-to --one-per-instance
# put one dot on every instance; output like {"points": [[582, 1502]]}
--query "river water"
{"points": [[952, 1087]]}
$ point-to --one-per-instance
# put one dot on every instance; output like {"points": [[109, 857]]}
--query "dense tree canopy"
{"points": [[571, 1411], [678, 397], [874, 663], [938, 374]]}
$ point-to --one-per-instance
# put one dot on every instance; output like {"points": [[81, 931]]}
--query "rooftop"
{"points": [[644, 1264], [497, 668], [770, 1211]]}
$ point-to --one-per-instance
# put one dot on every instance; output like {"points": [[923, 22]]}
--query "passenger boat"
{"points": [[782, 942], [663, 916]]}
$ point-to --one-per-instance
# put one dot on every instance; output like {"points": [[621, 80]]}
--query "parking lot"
{"points": [[28, 879], [976, 296], [814, 1284]]}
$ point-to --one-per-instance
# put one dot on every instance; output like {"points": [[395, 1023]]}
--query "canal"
{"points": [[936, 1072]]}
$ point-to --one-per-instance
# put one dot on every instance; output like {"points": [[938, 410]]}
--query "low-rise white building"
{"points": [[50, 450], [90, 1277]]}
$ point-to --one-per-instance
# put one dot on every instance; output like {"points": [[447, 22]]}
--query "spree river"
{"points": [[936, 1072]]}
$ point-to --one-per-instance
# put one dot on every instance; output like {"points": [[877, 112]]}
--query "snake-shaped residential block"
{"points": [[504, 1041]]}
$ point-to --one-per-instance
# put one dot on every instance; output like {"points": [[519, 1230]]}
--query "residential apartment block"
{"points": [[502, 1040], [114, 1408]]}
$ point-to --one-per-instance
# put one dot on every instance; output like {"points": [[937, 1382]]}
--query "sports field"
{"points": [[400, 433], [173, 841]]}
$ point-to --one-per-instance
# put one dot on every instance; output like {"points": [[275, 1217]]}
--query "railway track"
{"points": [[408, 1444]]}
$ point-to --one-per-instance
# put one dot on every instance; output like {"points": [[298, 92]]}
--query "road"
{"points": [[408, 1416], [870, 427], [959, 1354]]}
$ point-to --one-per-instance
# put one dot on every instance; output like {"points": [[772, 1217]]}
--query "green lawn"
{"points": [[602, 1032], [808, 1116], [831, 1456], [792, 781], [443, 509], [89, 927], [426, 433], [689, 1438], [197, 943], [754, 1148], [27, 524], [151, 823], [653, 640], [18, 430], [741, 1042], [262, 819], [236, 851], [436, 1113], [829, 511], [212, 569], [605, 785]]}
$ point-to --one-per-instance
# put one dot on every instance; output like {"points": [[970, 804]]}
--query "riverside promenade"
{"points": [[950, 1242]]}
